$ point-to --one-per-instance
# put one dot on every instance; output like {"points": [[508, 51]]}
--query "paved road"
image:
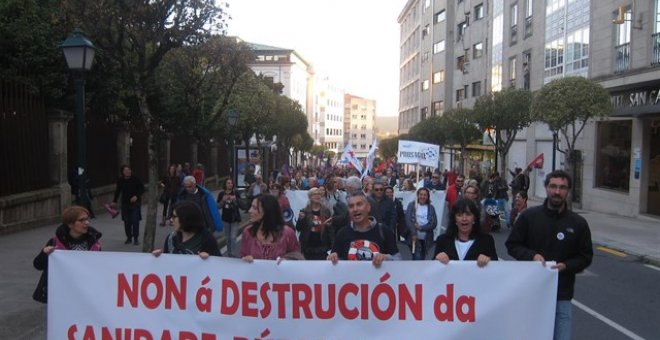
{"points": [[617, 297]]}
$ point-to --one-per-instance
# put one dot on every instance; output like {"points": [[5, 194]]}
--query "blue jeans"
{"points": [[420, 251], [504, 209], [231, 234], [563, 317]]}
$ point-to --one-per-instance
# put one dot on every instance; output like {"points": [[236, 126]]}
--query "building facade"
{"points": [[359, 123], [321, 99], [329, 114], [527, 44]]}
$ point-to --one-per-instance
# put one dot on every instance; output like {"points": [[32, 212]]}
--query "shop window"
{"points": [[613, 155]]}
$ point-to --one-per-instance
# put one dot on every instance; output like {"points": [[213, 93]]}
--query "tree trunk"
{"points": [[152, 185], [152, 196]]}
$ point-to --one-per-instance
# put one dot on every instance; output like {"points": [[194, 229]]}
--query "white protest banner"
{"points": [[106, 295], [418, 153]]}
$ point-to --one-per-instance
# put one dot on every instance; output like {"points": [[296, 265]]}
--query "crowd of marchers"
{"points": [[348, 217]]}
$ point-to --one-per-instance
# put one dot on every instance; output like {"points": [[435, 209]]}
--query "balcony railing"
{"points": [[621, 58], [655, 42]]}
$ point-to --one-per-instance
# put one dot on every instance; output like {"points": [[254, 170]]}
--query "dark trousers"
{"points": [[420, 251], [167, 207], [132, 222]]}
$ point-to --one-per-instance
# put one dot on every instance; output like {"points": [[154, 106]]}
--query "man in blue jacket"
{"points": [[198, 194]]}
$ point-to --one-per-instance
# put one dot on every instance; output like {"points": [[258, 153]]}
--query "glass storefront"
{"points": [[613, 155], [653, 206]]}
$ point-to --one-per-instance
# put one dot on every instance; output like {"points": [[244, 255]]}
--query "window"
{"points": [[427, 4], [460, 30], [622, 48], [425, 56], [476, 89], [426, 31], [478, 12], [477, 50], [527, 64], [439, 47], [424, 113], [425, 85], [613, 155], [554, 58], [363, 136], [460, 63], [440, 16], [529, 12], [460, 95], [513, 63], [438, 108], [363, 146], [577, 51], [656, 27], [439, 77], [514, 24]]}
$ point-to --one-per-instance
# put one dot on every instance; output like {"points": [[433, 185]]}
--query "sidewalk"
{"points": [[638, 237], [23, 318]]}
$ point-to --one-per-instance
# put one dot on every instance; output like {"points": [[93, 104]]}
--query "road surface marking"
{"points": [[607, 321], [612, 251], [652, 267]]}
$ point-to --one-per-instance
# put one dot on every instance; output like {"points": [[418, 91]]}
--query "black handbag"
{"points": [[41, 292], [163, 198]]}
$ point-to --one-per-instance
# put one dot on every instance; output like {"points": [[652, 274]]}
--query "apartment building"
{"points": [[329, 114], [359, 123], [528, 43]]}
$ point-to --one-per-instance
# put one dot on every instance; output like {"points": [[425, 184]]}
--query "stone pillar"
{"points": [[123, 146], [57, 154]]}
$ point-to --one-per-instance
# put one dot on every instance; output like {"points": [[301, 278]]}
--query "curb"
{"points": [[640, 257]]}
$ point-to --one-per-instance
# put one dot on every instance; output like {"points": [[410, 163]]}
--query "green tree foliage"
{"points": [[135, 37], [30, 34], [389, 147], [429, 131], [566, 105], [460, 129], [196, 82], [506, 112]]}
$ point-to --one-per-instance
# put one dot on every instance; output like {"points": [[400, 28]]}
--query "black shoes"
{"points": [[128, 241], [135, 243]]}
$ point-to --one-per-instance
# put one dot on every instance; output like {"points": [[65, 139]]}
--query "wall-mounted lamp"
{"points": [[622, 18]]}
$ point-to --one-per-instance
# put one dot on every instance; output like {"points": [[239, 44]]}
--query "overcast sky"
{"points": [[354, 42]]}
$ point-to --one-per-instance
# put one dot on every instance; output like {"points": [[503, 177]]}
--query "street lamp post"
{"points": [[232, 120], [79, 54]]}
